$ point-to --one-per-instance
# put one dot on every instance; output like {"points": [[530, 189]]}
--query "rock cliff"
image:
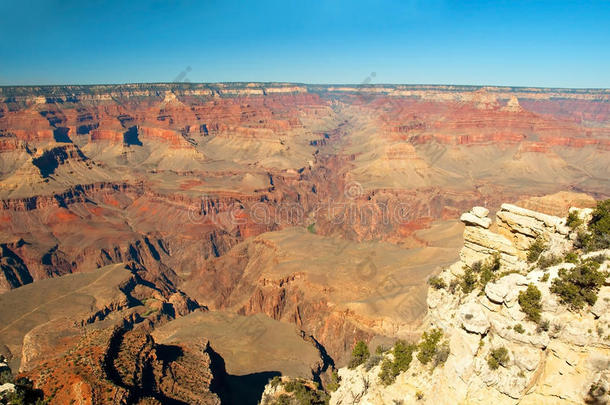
{"points": [[512, 336]]}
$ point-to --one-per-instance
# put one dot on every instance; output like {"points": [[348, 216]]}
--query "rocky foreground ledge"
{"points": [[521, 318]]}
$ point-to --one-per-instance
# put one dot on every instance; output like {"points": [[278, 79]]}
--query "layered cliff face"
{"points": [[221, 162], [322, 209], [511, 332]]}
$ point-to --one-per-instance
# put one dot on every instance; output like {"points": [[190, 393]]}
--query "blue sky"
{"points": [[520, 43]]}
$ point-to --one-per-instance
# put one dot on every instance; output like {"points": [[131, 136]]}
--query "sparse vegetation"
{"points": [[311, 228], [381, 349], [360, 354], [543, 326], [596, 393], [535, 249], [372, 361], [573, 220], [442, 354], [427, 348], [497, 357], [24, 393], [518, 328], [530, 303], [571, 257], [468, 281], [386, 376], [599, 227], [6, 377], [403, 355], [335, 380], [437, 283], [546, 261], [305, 394], [545, 277], [489, 270], [479, 274], [580, 285]]}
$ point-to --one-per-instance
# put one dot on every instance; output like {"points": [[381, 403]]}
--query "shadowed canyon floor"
{"points": [[264, 227]]}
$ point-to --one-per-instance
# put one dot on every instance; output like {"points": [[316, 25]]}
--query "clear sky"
{"points": [[520, 43]]}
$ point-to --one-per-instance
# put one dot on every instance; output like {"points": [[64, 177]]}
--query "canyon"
{"points": [[185, 242]]}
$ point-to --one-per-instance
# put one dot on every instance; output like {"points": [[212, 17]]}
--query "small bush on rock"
{"points": [[360, 354], [571, 257], [599, 226], [573, 220], [468, 281], [497, 357], [543, 326], [386, 376], [403, 355], [437, 283], [530, 302], [580, 285], [333, 384], [535, 249], [428, 346], [372, 361]]}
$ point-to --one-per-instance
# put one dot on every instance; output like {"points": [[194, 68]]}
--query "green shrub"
{"points": [[403, 355], [598, 258], [545, 277], [599, 226], [304, 394], [571, 257], [543, 326], [535, 249], [428, 345], [275, 381], [580, 285], [381, 349], [573, 220], [437, 283], [544, 262], [311, 228], [497, 357], [333, 384], [468, 281], [519, 328], [583, 239], [386, 376], [6, 377], [442, 354], [530, 302], [360, 354]]}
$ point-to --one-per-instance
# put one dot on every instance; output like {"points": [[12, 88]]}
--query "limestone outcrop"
{"points": [[562, 358]]}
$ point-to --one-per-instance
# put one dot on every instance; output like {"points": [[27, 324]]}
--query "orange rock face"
{"points": [[171, 177]]}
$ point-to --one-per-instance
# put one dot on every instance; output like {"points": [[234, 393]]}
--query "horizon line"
{"points": [[362, 85]]}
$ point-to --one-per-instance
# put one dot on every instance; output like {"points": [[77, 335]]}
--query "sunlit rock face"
{"points": [[560, 359], [324, 208]]}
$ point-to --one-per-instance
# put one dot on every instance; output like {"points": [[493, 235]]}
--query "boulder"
{"points": [[506, 290], [471, 219], [473, 318], [480, 212]]}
